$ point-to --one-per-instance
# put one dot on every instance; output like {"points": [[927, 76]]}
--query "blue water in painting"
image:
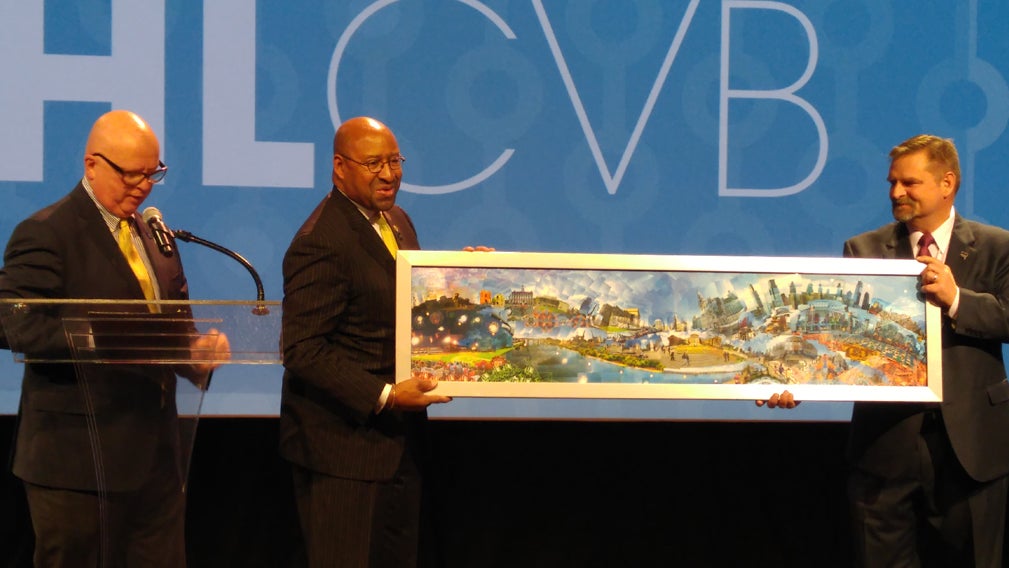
{"points": [[566, 366]]}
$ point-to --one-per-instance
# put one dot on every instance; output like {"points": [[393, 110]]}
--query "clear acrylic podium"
{"points": [[120, 384]]}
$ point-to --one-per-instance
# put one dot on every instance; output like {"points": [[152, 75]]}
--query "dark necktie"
{"points": [[924, 243]]}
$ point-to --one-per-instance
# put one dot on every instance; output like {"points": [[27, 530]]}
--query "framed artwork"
{"points": [[553, 325]]}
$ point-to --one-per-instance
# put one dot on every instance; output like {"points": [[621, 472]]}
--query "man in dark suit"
{"points": [[351, 434], [929, 482], [98, 449]]}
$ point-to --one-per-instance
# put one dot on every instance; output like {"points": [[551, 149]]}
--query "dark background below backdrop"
{"points": [[532, 494]]}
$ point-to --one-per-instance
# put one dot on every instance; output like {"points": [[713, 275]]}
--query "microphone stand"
{"points": [[260, 309]]}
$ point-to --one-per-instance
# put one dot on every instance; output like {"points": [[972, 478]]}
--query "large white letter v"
{"points": [[612, 181]]}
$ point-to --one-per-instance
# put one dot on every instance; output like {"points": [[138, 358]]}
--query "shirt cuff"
{"points": [[955, 306], [383, 398]]}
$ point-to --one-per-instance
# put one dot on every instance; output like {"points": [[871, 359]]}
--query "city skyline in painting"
{"points": [[547, 325]]}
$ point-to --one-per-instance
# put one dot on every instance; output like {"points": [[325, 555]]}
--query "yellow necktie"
{"points": [[136, 263], [386, 231]]}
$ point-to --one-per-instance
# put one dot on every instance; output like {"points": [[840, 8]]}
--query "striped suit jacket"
{"points": [[338, 343]]}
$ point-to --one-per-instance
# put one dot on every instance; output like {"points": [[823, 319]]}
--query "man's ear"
{"points": [[948, 184], [338, 167], [89, 167]]}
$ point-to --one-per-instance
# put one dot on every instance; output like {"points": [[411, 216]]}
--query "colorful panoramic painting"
{"points": [[620, 326]]}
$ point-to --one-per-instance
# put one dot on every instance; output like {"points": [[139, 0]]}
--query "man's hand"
{"points": [[480, 248], [211, 347], [780, 400], [410, 395], [937, 282]]}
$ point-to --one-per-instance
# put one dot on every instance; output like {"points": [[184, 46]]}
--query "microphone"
{"points": [[162, 234], [186, 236]]}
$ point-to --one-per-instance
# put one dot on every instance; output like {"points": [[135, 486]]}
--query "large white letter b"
{"points": [[787, 94]]}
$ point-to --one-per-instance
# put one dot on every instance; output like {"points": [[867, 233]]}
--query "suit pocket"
{"points": [[998, 393]]}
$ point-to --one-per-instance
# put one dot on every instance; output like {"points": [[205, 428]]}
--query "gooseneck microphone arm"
{"points": [[188, 237]]}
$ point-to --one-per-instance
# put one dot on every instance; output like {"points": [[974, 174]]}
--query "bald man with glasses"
{"points": [[117, 501], [353, 437]]}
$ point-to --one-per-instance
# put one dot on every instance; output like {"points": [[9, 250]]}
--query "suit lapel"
{"points": [[959, 257], [368, 239], [91, 226], [899, 244], [406, 238]]}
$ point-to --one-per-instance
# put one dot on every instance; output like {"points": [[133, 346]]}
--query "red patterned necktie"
{"points": [[924, 243]]}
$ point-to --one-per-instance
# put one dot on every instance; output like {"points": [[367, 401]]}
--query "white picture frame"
{"points": [[627, 326]]}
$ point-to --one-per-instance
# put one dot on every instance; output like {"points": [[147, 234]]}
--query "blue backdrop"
{"points": [[661, 127]]}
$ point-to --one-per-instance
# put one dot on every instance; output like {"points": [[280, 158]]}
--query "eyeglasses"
{"points": [[375, 166], [135, 178]]}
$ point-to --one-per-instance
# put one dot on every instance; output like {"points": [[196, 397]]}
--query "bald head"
{"points": [[120, 141], [121, 130], [360, 144], [356, 129]]}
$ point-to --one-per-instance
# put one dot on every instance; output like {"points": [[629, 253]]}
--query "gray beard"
{"points": [[903, 218]]}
